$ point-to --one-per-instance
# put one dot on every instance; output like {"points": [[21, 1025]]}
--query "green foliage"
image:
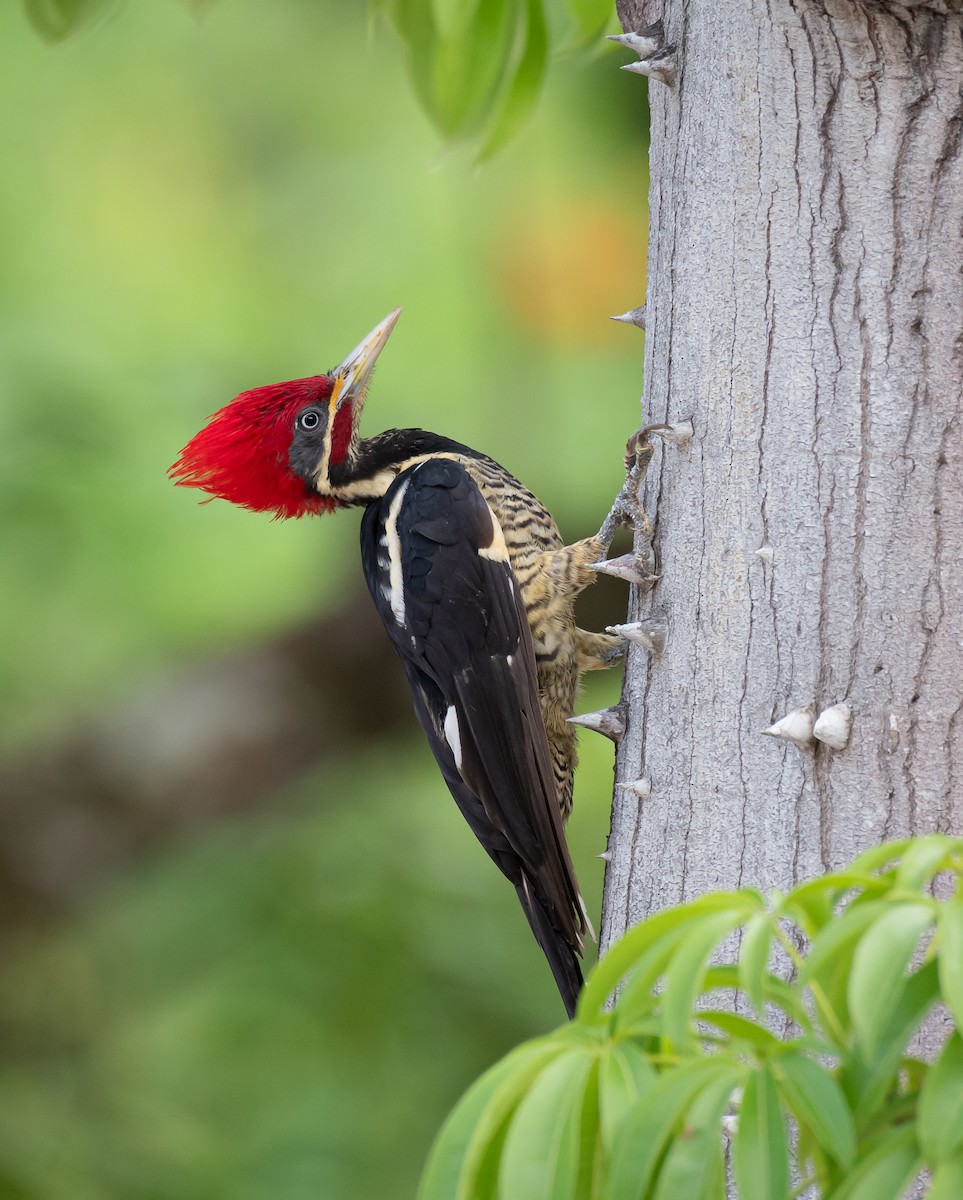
{"points": [[285, 1007], [630, 1101], [58, 19], [478, 66]]}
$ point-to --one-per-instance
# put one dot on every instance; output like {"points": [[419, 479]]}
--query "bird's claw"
{"points": [[639, 450], [627, 509]]}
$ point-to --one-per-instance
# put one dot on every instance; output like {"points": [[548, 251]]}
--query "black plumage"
{"points": [[437, 569]]}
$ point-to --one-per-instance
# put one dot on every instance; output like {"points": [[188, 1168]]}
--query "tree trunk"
{"points": [[804, 310]]}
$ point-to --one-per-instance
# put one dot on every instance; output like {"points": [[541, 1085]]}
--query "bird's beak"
{"points": [[352, 377]]}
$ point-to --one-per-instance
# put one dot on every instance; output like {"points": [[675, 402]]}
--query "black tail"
{"points": [[562, 956]]}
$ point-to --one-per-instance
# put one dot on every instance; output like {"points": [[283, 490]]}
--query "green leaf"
{"points": [[760, 1154], [592, 1153], [628, 951], [819, 1105], [685, 974], [740, 1028], [648, 1126], [940, 1119], [625, 1075], [540, 1160], [460, 1146], [775, 991], [879, 964], [58, 19], [951, 957], [694, 1167], [624, 955], [924, 857], [947, 1180], [415, 23], [836, 941], [813, 904], [827, 968], [754, 958], [519, 98], [470, 62], [639, 997], [886, 1170], [592, 18], [877, 857], [451, 14], [866, 1081]]}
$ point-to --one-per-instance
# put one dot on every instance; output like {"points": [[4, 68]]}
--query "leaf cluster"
{"points": [[56, 20], [796, 1053], [476, 66]]}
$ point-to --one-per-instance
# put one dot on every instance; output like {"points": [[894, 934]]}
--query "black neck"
{"points": [[378, 459]]}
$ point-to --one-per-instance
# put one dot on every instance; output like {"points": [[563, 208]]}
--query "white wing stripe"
{"points": [[396, 591], [453, 734]]}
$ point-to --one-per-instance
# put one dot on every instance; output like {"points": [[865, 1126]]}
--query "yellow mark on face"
{"points": [[497, 551]]}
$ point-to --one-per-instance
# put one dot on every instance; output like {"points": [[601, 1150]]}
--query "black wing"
{"points": [[435, 562]]}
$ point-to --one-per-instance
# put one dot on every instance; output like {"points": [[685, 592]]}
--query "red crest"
{"points": [[241, 455]]}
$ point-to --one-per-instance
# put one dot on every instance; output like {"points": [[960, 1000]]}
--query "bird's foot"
{"points": [[599, 650], [628, 509]]}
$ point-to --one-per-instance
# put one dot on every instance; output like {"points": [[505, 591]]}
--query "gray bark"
{"points": [[804, 309]]}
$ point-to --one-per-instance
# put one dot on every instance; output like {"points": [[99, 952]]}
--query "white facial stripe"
{"points": [[321, 479], [395, 577], [453, 734]]}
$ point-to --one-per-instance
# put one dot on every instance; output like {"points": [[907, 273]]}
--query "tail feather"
{"points": [[562, 956]]}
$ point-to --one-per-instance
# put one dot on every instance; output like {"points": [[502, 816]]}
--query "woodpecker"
{"points": [[476, 590]]}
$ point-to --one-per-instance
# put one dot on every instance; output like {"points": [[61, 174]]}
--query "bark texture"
{"points": [[804, 309]]}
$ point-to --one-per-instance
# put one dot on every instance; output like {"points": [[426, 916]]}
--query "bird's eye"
{"points": [[309, 420]]}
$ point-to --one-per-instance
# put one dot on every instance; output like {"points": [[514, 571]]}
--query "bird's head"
{"points": [[272, 448]]}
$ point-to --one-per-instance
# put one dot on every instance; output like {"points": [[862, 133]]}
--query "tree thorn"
{"points": [[833, 726], [650, 633], [608, 721], [635, 316], [795, 727], [646, 43], [662, 66], [638, 787], [605, 856], [627, 567], [765, 553]]}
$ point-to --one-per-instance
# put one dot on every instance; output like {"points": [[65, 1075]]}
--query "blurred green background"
{"points": [[281, 997]]}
